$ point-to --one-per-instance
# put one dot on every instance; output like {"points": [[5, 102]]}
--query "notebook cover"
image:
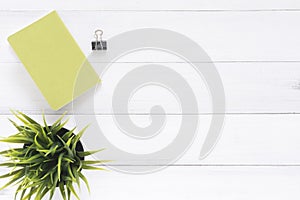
{"points": [[54, 60]]}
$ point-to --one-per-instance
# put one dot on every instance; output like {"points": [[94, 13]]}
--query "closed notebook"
{"points": [[54, 60]]}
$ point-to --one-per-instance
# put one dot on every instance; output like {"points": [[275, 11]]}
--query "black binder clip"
{"points": [[99, 44]]}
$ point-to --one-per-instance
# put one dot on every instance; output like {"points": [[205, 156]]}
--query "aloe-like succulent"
{"points": [[50, 157]]}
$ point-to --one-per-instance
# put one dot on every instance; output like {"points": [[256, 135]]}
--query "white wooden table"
{"points": [[255, 45]]}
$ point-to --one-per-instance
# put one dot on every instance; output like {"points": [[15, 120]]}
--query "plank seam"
{"points": [[158, 10]]}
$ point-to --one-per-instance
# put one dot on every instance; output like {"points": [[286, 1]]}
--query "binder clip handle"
{"points": [[98, 34], [99, 44]]}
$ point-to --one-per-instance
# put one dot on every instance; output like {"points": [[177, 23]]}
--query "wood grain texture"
{"points": [[246, 139], [255, 46], [225, 36], [151, 5], [249, 88], [193, 183]]}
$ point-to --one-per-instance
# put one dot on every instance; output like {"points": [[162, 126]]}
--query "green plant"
{"points": [[49, 158]]}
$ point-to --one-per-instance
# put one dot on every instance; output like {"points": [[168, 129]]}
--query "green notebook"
{"points": [[54, 60]]}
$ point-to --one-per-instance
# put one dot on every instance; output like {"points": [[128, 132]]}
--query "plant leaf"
{"points": [[92, 162], [70, 186], [92, 167], [27, 118], [77, 137], [17, 139], [85, 181], [88, 153], [11, 173], [59, 165]]}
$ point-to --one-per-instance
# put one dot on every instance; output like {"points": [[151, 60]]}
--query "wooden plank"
{"points": [[255, 46], [207, 183], [211, 183], [153, 5], [249, 88], [264, 140], [225, 36]]}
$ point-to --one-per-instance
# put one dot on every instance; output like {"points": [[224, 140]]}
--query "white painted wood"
{"points": [[207, 183], [193, 183], [246, 139], [225, 36], [151, 5], [249, 88], [255, 45]]}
